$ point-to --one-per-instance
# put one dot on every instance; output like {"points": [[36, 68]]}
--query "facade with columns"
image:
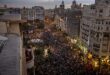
{"points": [[95, 28]]}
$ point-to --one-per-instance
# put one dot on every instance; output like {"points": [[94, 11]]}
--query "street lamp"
{"points": [[96, 64], [99, 59], [45, 52]]}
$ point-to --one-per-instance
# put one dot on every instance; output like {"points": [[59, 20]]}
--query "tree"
{"points": [[40, 25], [39, 51]]}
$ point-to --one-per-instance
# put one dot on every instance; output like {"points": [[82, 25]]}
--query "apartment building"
{"points": [[36, 12], [95, 28], [69, 21]]}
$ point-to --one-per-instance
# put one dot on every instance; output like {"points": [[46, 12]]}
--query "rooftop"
{"points": [[9, 58], [3, 38]]}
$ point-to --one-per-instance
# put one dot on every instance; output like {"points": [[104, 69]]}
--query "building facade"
{"points": [[49, 13], [69, 21], [24, 13], [72, 20], [39, 12], [95, 28], [36, 12]]}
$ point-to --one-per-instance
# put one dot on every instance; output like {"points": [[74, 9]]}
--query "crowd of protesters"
{"points": [[61, 60], [64, 60]]}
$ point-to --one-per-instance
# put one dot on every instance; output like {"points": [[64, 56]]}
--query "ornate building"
{"points": [[75, 5], [36, 12], [95, 28], [69, 19], [60, 10]]}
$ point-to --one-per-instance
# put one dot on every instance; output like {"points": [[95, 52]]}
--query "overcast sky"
{"points": [[45, 3]]}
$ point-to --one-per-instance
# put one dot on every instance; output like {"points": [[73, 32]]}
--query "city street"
{"points": [[60, 57], [55, 37], [56, 54]]}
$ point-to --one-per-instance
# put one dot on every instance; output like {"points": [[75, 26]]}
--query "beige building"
{"points": [[60, 23], [36, 12], [49, 13], [24, 13], [95, 28], [69, 22]]}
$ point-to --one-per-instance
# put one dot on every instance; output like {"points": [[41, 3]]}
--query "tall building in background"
{"points": [[34, 13], [69, 21], [95, 28], [72, 22], [38, 12], [24, 13], [62, 9], [75, 5]]}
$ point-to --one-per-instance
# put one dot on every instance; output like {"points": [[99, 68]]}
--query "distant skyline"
{"points": [[45, 3]]}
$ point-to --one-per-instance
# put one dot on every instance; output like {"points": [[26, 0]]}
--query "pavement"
{"points": [[10, 56]]}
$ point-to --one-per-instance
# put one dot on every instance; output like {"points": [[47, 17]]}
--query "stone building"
{"points": [[72, 20], [24, 13], [36, 12], [75, 5], [50, 13], [69, 21], [60, 10], [95, 28]]}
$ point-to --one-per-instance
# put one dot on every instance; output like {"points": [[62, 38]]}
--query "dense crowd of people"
{"points": [[63, 61]]}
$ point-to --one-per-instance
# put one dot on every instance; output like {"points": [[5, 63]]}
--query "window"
{"points": [[101, 28], [104, 44], [101, 10], [98, 22], [107, 2], [102, 22], [106, 35], [96, 49], [106, 22], [107, 28], [98, 28], [109, 22], [100, 15], [96, 45]]}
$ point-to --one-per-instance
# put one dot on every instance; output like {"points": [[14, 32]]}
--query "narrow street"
{"points": [[54, 37]]}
